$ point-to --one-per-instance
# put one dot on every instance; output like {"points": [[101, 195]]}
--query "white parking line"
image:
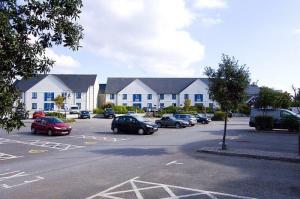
{"points": [[98, 138], [174, 162], [41, 143], [170, 189], [4, 156]]}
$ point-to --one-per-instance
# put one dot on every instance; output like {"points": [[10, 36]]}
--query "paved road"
{"points": [[94, 163]]}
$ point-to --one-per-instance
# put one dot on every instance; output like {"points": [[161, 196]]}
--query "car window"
{"points": [[53, 120]]}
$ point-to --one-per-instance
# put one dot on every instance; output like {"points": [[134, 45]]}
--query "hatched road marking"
{"points": [[138, 187], [91, 137], [4, 156]]}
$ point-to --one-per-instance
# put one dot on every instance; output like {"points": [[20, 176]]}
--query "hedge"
{"points": [[218, 116], [56, 114], [98, 111]]}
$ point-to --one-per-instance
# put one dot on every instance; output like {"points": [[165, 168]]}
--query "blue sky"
{"points": [[178, 38]]}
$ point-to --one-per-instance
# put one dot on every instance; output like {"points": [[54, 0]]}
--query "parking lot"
{"points": [[92, 162]]}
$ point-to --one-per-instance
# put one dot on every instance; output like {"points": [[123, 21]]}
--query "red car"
{"points": [[38, 114], [50, 126]]}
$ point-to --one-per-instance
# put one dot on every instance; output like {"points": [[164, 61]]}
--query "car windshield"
{"points": [[84, 112], [172, 118], [54, 120], [141, 119], [74, 108]]}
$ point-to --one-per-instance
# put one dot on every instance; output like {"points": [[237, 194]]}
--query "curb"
{"points": [[240, 153]]}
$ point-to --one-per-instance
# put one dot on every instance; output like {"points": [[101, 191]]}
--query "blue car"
{"points": [[84, 115]]}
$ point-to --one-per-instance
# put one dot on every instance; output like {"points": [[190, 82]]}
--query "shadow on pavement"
{"points": [[132, 152]]}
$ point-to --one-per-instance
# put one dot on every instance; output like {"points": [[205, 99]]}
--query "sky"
{"points": [[179, 38]]}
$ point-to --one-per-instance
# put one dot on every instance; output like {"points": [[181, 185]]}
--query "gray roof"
{"points": [[159, 85], [253, 90], [77, 83]]}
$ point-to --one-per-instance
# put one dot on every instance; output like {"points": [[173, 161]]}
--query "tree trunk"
{"points": [[225, 130]]}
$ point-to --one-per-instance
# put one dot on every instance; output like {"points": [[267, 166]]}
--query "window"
{"points": [[78, 95], [34, 95], [124, 96], [34, 106], [162, 105], [149, 97], [161, 96], [174, 104], [137, 97], [48, 106], [137, 105], [186, 96], [149, 105], [198, 98], [173, 96], [124, 104], [21, 95], [49, 96], [79, 105], [64, 94], [112, 96], [211, 105]]}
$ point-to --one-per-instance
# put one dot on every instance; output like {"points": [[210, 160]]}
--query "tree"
{"points": [[296, 97], [227, 86], [59, 101], [187, 104], [282, 100], [27, 29]]}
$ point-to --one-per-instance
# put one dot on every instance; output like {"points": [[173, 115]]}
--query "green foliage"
{"points": [[187, 104], [291, 123], [209, 110], [172, 109], [98, 111], [59, 101], [269, 97], [263, 123], [218, 116], [68, 120], [296, 97], [228, 84], [51, 23], [244, 109], [56, 114], [200, 108], [120, 109], [108, 105]]}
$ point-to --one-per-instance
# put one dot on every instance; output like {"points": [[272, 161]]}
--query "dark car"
{"points": [[84, 115], [133, 124], [202, 118], [187, 117], [171, 122], [50, 126], [109, 113]]}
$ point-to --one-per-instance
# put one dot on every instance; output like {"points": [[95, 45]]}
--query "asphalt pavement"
{"points": [[92, 162]]}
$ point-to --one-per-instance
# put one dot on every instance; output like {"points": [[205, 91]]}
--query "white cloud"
{"points": [[149, 35], [210, 4], [297, 31], [211, 20], [63, 63]]}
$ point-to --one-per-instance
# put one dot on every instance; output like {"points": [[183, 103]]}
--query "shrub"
{"points": [[108, 105], [263, 123], [172, 109], [200, 108], [56, 114], [218, 116], [244, 109], [98, 111], [68, 120], [291, 123], [209, 110], [120, 109]]}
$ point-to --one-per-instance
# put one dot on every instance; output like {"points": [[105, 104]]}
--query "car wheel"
{"points": [[50, 132], [116, 130], [203, 122], [33, 130], [159, 125], [141, 131], [177, 125]]}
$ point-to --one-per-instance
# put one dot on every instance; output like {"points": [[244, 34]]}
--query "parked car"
{"points": [[202, 118], [50, 126], [171, 122], [133, 124], [187, 117], [109, 113], [277, 114], [38, 114], [84, 115], [131, 113], [74, 109]]}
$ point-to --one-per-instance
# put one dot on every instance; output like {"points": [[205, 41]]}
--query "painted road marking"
{"points": [[174, 162], [90, 142], [91, 137], [113, 192], [35, 151], [4, 156], [14, 179], [41, 143]]}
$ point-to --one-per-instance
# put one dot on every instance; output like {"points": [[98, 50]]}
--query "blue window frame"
{"points": [[79, 105], [173, 96], [112, 96], [198, 97], [78, 95], [161, 105], [34, 95], [48, 106], [149, 97], [137, 97], [34, 106], [186, 96], [64, 94], [49, 96], [124, 96], [149, 105], [161, 96], [137, 105]]}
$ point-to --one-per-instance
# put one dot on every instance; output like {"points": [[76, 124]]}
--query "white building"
{"points": [[157, 92], [39, 92]]}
